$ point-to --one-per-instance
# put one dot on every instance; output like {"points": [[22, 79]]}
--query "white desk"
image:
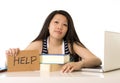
{"points": [[58, 77]]}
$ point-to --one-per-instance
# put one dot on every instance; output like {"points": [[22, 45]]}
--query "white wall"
{"points": [[21, 21]]}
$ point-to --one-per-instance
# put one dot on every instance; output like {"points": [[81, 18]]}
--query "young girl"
{"points": [[58, 36]]}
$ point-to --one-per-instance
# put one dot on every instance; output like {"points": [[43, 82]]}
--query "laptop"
{"points": [[111, 53]]}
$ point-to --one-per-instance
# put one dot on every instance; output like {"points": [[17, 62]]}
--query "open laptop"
{"points": [[111, 53]]}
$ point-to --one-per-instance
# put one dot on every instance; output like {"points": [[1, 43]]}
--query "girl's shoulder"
{"points": [[36, 45], [37, 42]]}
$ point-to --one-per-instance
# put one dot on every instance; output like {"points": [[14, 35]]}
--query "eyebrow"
{"points": [[56, 19]]}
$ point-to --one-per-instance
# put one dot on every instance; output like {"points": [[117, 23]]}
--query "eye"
{"points": [[56, 22], [65, 25]]}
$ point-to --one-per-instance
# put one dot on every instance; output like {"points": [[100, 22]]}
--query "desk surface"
{"points": [[53, 77]]}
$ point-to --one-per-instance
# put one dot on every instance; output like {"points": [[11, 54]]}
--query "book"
{"points": [[54, 58], [50, 67], [2, 69]]}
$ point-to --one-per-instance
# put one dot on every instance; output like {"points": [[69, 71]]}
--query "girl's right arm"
{"points": [[12, 51], [37, 45]]}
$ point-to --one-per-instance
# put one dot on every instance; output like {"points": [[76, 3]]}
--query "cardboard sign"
{"points": [[26, 60]]}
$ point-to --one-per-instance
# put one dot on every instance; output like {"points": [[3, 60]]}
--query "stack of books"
{"points": [[53, 62]]}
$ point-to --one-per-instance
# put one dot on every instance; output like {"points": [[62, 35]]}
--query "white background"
{"points": [[22, 20]]}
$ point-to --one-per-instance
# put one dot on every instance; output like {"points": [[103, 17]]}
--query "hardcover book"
{"points": [[54, 58], [50, 67]]}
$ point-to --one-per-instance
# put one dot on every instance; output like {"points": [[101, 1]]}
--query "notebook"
{"points": [[2, 69], [111, 53]]}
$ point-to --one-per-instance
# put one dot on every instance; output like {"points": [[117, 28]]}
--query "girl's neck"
{"points": [[54, 42]]}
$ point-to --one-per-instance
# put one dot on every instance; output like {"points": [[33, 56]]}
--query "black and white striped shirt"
{"points": [[66, 49]]}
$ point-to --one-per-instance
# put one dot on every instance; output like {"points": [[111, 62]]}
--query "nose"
{"points": [[60, 26]]}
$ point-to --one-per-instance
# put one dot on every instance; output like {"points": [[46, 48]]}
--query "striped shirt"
{"points": [[66, 49]]}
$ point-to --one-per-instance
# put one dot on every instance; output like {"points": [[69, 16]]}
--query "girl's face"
{"points": [[58, 26]]}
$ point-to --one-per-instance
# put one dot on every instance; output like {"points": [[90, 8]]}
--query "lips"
{"points": [[59, 32]]}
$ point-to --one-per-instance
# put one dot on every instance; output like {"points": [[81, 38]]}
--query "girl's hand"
{"points": [[71, 66], [12, 51]]}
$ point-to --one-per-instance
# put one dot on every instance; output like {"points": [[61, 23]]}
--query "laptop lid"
{"points": [[111, 51]]}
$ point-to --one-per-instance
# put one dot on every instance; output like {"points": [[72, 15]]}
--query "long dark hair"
{"points": [[71, 35]]}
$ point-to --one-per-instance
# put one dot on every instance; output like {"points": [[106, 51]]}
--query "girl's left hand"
{"points": [[71, 66]]}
